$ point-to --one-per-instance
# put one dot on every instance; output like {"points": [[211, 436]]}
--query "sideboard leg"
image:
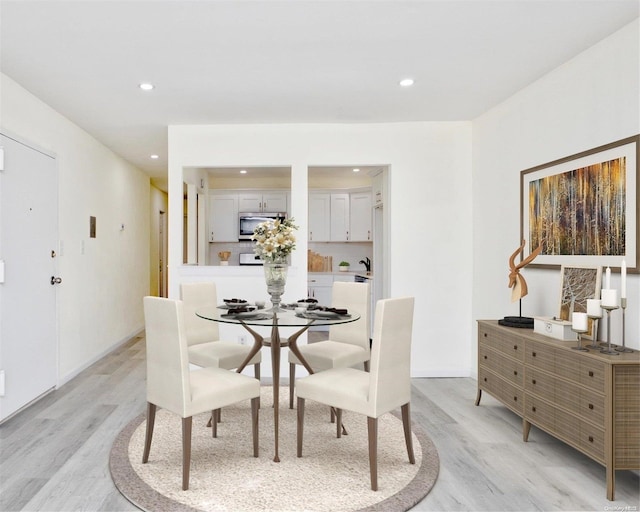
{"points": [[526, 428], [611, 483], [478, 396]]}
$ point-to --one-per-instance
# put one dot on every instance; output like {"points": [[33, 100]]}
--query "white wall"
{"points": [[589, 101], [100, 300], [429, 206]]}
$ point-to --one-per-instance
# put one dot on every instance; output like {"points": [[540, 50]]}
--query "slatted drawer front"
{"points": [[592, 407], [539, 413], [490, 382], [540, 383], [572, 397], [567, 426], [510, 395], [539, 355], [580, 434], [503, 366], [592, 441], [497, 340], [567, 365], [592, 374]]}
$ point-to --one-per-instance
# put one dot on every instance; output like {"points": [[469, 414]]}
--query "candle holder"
{"points": [[607, 349], [594, 326], [579, 332], [623, 348]]}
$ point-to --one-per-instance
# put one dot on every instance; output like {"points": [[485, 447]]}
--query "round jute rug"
{"points": [[332, 475]]}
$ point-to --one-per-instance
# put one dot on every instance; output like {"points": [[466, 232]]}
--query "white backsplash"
{"points": [[352, 252], [234, 247]]}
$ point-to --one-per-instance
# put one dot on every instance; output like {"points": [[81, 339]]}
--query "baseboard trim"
{"points": [[69, 376], [27, 405], [441, 373]]}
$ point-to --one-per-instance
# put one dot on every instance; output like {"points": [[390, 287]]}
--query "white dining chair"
{"points": [[171, 385], [203, 336], [348, 344], [386, 387]]}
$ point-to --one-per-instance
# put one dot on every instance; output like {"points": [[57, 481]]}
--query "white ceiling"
{"points": [[299, 61]]}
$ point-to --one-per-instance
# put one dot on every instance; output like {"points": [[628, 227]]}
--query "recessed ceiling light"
{"points": [[146, 86], [356, 170], [407, 82], [154, 157], [243, 171]]}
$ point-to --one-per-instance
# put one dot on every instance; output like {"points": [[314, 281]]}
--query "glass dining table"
{"points": [[274, 320]]}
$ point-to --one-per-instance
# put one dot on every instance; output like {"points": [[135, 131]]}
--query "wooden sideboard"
{"points": [[588, 400]]}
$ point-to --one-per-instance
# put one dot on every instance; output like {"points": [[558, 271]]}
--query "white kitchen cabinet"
{"points": [[261, 202], [319, 217], [339, 217], [223, 217], [319, 287], [360, 217]]}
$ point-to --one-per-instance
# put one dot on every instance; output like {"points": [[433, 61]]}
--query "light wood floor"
{"points": [[54, 455]]}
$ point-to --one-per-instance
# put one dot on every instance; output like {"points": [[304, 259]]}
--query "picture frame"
{"points": [[577, 284], [584, 208]]}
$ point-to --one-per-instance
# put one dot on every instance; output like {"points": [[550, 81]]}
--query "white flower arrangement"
{"points": [[275, 239]]}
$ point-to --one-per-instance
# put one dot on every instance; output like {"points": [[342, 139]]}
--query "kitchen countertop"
{"points": [[255, 270], [363, 273]]}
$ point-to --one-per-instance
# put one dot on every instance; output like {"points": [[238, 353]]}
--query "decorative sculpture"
{"points": [[517, 282], [519, 287]]}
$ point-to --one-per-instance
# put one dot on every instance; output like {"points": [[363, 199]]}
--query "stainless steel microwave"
{"points": [[247, 222]]}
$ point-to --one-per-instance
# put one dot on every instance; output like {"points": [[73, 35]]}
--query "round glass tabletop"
{"points": [[286, 318]]}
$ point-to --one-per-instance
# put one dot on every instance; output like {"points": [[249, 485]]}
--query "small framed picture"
{"points": [[577, 284]]}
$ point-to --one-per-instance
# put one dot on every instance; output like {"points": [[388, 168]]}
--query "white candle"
{"points": [[607, 278], [610, 298], [594, 309], [579, 321], [623, 280]]}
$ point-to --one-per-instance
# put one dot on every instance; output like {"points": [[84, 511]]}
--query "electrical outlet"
{"points": [[242, 340]]}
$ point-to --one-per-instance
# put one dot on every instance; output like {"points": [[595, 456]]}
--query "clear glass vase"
{"points": [[275, 274]]}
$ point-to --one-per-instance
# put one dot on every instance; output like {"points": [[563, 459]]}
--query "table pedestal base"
{"points": [[275, 343]]}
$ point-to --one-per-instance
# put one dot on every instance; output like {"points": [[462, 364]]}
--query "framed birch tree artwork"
{"points": [[583, 209], [577, 284]]}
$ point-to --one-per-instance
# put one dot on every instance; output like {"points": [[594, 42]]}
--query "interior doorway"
{"points": [[162, 254]]}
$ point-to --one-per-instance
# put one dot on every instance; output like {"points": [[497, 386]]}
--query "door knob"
{"points": [[55, 280]]}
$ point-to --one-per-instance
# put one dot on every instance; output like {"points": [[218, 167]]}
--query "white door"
{"points": [[28, 241], [162, 253]]}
